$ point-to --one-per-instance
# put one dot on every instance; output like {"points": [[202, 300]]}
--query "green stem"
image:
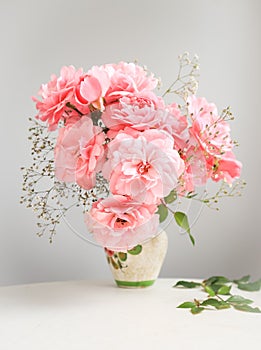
{"points": [[163, 202], [68, 104]]}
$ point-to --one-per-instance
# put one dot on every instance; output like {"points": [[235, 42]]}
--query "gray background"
{"points": [[38, 37]]}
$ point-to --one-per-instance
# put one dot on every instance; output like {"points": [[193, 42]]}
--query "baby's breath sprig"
{"points": [[225, 190], [49, 198], [226, 114], [187, 79]]}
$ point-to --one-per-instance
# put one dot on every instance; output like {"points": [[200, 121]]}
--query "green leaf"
{"points": [[136, 250], [224, 290], [211, 302], [215, 287], [247, 308], [223, 305], [163, 212], [186, 305], [237, 299], [243, 279], [186, 284], [171, 197], [196, 310], [122, 256], [182, 221], [250, 286], [218, 304], [210, 291], [217, 280]]}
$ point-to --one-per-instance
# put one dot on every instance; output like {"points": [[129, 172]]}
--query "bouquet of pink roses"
{"points": [[113, 144]]}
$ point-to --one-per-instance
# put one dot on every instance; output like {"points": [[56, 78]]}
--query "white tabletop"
{"points": [[98, 315]]}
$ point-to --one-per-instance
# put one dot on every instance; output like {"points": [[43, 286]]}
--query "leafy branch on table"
{"points": [[219, 295]]}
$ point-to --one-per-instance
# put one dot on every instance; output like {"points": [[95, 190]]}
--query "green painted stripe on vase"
{"points": [[135, 284]]}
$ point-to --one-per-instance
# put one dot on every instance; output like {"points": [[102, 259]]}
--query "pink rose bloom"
{"points": [[140, 111], [176, 125], [106, 84], [56, 94], [143, 165], [119, 224], [94, 87], [79, 153], [212, 132], [128, 78], [227, 168], [196, 172]]}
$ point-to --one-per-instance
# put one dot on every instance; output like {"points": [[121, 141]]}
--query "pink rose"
{"points": [[176, 125], [119, 224], [128, 78], [79, 153], [56, 94], [196, 169], [140, 111], [226, 168], [106, 84], [211, 131], [93, 88], [143, 165], [207, 153], [212, 134]]}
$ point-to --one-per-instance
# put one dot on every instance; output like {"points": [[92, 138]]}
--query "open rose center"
{"points": [[121, 223], [143, 168], [141, 102]]}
